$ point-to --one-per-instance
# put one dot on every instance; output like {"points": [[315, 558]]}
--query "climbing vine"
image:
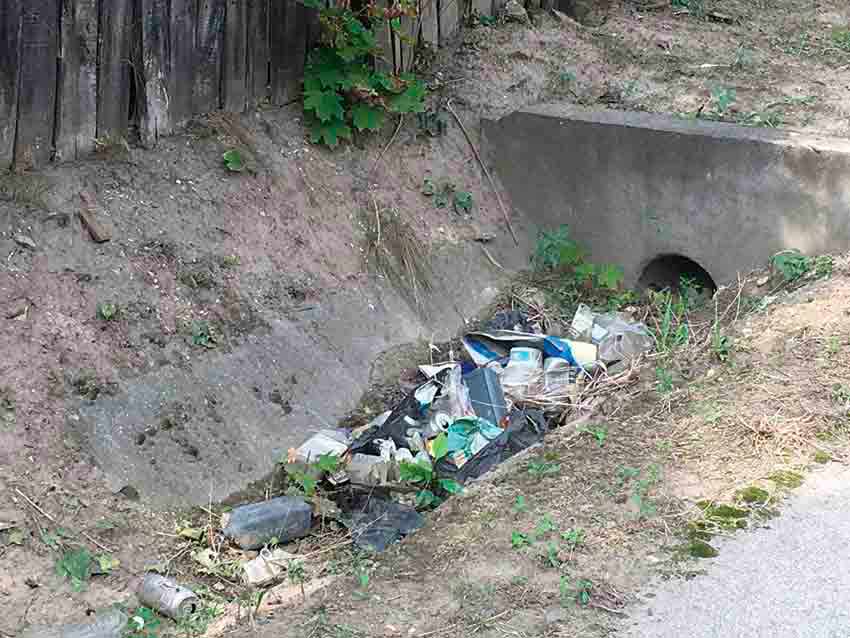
{"points": [[341, 87]]}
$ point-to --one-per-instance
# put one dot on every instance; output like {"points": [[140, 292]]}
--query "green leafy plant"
{"points": [[574, 537], [520, 540], [544, 526], [543, 468], [202, 334], [841, 38], [600, 433], [305, 476], [520, 505], [75, 565], [433, 123], [142, 623], [107, 311], [792, 264], [556, 249], [722, 99], [341, 88], [578, 593], [463, 202], [233, 161], [823, 266], [721, 345], [663, 380], [642, 482], [432, 487]]}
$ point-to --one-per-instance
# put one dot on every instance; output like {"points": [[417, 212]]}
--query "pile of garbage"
{"points": [[461, 421]]}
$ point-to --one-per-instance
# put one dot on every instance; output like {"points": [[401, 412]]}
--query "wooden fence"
{"points": [[76, 71]]}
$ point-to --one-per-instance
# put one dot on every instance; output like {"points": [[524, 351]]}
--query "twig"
{"points": [[88, 536], [490, 257], [608, 609], [470, 627], [486, 171], [386, 148]]}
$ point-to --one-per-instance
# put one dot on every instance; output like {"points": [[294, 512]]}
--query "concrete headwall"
{"points": [[635, 186]]}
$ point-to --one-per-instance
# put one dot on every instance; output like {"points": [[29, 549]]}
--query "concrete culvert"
{"points": [[669, 271]]}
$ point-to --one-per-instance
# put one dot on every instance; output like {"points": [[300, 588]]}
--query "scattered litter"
{"points": [[267, 567], [624, 339], [333, 442], [110, 623], [367, 469], [470, 435], [378, 523], [486, 395], [511, 320], [524, 370], [252, 526], [167, 597], [25, 240]]}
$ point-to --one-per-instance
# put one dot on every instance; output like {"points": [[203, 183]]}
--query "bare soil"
{"points": [[193, 243]]}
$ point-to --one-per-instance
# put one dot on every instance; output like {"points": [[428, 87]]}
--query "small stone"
{"points": [[762, 281], [25, 240], [18, 309], [98, 232], [554, 615]]}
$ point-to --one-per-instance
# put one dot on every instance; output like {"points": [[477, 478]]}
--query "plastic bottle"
{"points": [[284, 518]]}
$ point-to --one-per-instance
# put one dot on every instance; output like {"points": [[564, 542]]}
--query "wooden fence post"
{"points": [[10, 55]]}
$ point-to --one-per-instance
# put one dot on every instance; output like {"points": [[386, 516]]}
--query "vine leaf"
{"points": [[329, 132], [411, 100], [327, 105], [366, 117]]}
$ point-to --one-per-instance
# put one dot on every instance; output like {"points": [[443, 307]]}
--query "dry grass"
{"points": [[393, 250], [24, 189]]}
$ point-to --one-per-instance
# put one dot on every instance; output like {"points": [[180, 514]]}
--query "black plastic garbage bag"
{"points": [[377, 522], [526, 427]]}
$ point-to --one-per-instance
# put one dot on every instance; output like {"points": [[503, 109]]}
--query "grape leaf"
{"points": [[326, 105], [367, 117], [329, 132], [411, 100], [383, 81]]}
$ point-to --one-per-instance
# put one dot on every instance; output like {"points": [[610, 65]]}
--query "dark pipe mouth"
{"points": [[671, 272]]}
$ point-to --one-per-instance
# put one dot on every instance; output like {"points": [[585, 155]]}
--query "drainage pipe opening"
{"points": [[674, 271]]}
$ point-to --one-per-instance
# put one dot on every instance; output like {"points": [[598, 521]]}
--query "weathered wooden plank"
{"points": [[156, 59], [209, 41], [10, 49], [407, 38], [289, 22], [234, 70], [76, 126], [450, 14], [37, 92], [429, 21], [181, 70], [113, 87], [258, 51]]}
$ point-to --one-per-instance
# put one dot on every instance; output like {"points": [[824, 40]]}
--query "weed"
{"points": [[86, 385], [722, 99], [753, 495], [544, 526], [822, 457], [305, 478], [626, 473], [231, 261], [543, 468], [841, 38], [787, 479], [7, 405], [556, 249], [792, 264], [551, 556], [463, 202], [672, 331], [574, 537], [520, 540], [766, 118], [432, 488], [721, 345], [107, 311], [195, 625], [622, 299], [599, 432], [75, 565], [743, 57], [823, 266], [520, 505], [578, 593], [841, 394], [202, 334], [663, 380], [700, 549], [433, 123], [641, 486], [24, 189], [233, 161], [487, 21], [142, 623]]}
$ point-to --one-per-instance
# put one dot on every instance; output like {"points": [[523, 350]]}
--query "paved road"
{"points": [[791, 580]]}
